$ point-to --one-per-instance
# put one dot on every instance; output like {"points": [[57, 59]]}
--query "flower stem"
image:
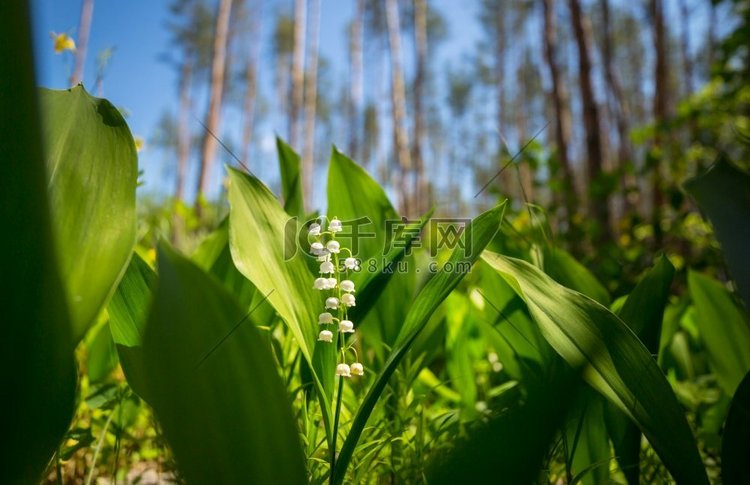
{"points": [[336, 428]]}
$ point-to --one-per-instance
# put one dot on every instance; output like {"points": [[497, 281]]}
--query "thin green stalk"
{"points": [[98, 447], [336, 428], [58, 467]]}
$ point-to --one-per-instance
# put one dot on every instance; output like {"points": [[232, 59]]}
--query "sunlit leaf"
{"points": [[613, 361]]}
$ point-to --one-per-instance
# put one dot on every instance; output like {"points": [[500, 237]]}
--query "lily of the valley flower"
{"points": [[343, 370], [317, 249], [333, 246], [327, 267], [325, 318], [332, 303], [335, 225], [330, 283], [351, 263], [346, 326], [347, 286], [348, 300], [357, 369], [314, 229], [321, 284], [325, 336]]}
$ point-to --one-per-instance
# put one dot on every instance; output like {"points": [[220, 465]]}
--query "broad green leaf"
{"points": [[290, 166], [723, 192], [38, 372], [587, 438], [102, 355], [642, 311], [92, 170], [723, 330], [482, 230], [564, 269], [214, 383], [263, 242], [128, 310], [735, 467], [612, 359]]}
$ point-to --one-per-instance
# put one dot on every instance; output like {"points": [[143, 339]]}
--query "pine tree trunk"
{"points": [[357, 86], [562, 116], [84, 29], [298, 75], [687, 60], [251, 85], [183, 129], [598, 205], [398, 99], [311, 96], [661, 108], [213, 116], [420, 202], [506, 176]]}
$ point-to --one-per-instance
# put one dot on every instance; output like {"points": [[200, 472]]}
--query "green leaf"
{"points": [[38, 372], [128, 310], [723, 330], [92, 170], [260, 235], [642, 311], [482, 230], [613, 360], [563, 268], [102, 355], [723, 192], [290, 166], [214, 384], [735, 467]]}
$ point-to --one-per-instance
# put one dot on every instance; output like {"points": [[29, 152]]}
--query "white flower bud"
{"points": [[335, 225], [325, 336], [320, 284], [343, 370], [314, 229], [347, 286], [357, 369], [326, 267], [346, 326], [333, 246], [317, 249], [348, 300], [325, 318], [332, 303], [351, 263], [330, 283]]}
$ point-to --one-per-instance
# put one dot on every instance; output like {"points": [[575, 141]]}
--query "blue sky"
{"points": [[139, 82]]}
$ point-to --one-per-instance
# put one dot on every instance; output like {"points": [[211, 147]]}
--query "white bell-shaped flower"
{"points": [[321, 284], [314, 229], [317, 249], [357, 369], [326, 267], [346, 326], [347, 286], [343, 370], [351, 263], [332, 303], [330, 283], [325, 336], [335, 225], [325, 318], [348, 300], [333, 246], [324, 257]]}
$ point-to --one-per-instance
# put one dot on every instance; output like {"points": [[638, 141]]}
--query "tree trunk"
{"points": [[183, 129], [620, 111], [525, 173], [597, 198], [420, 202], [311, 96], [562, 116], [251, 84], [357, 86], [213, 116], [84, 29], [506, 176], [661, 112], [298, 75], [398, 99], [687, 60]]}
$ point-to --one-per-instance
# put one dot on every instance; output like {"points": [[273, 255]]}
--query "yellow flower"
{"points": [[140, 143], [63, 42]]}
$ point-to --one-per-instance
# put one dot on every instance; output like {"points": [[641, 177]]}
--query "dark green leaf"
{"points": [[290, 166], [735, 467]]}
